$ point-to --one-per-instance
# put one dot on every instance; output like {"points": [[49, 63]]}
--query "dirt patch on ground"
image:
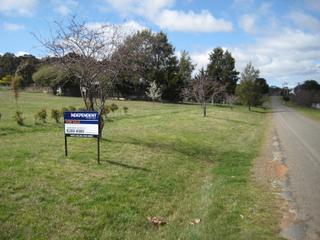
{"points": [[270, 172], [281, 170]]}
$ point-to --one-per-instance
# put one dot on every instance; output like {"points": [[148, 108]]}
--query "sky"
{"points": [[281, 38]]}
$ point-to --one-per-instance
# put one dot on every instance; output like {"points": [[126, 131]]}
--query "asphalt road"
{"points": [[300, 145]]}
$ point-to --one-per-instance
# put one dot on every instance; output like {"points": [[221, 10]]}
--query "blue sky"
{"points": [[281, 38]]}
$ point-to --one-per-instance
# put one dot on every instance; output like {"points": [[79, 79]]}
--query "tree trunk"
{"points": [[249, 108], [204, 109]]}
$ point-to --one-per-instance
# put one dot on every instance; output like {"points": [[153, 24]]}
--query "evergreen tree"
{"points": [[150, 56], [185, 67], [221, 68], [8, 64]]}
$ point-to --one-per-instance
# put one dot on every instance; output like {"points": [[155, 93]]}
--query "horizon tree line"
{"points": [[104, 62]]}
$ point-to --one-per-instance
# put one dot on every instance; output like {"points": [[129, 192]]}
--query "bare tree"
{"points": [[89, 51], [203, 88], [231, 100]]}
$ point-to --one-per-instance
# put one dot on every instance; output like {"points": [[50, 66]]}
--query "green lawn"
{"points": [[309, 112], [161, 160]]}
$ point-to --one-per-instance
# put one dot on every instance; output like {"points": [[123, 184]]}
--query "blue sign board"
{"points": [[81, 124]]}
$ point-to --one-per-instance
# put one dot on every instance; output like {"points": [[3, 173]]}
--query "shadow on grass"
{"points": [[233, 120], [125, 165], [136, 117], [30, 128], [269, 110], [202, 153], [262, 111]]}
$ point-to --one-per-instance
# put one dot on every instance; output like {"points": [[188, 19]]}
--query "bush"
{"points": [[18, 117], [286, 98], [56, 115], [41, 116], [72, 108], [114, 107], [64, 109], [106, 110], [125, 109]]}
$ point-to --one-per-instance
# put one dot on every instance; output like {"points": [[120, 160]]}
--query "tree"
{"points": [[231, 100], [153, 91], [26, 68], [150, 56], [202, 88], [248, 91], [8, 64], [307, 93], [89, 53], [15, 85], [309, 85], [262, 83], [138, 63], [185, 67], [165, 68], [47, 76], [50, 75], [221, 68]]}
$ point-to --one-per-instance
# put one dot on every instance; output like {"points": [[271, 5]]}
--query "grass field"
{"points": [[160, 160], [309, 112]]}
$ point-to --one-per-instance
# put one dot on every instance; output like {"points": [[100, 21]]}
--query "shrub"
{"points": [[113, 107], [286, 98], [125, 109], [6, 80], [41, 116], [72, 108], [18, 117], [56, 115], [106, 110], [64, 109]]}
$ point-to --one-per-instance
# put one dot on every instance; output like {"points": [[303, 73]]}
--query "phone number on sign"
{"points": [[74, 130]]}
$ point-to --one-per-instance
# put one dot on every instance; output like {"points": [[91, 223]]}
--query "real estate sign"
{"points": [[81, 124]]}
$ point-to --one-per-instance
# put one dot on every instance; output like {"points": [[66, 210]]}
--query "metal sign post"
{"points": [[82, 124]]}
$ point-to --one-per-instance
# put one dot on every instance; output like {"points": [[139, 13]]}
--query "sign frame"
{"points": [[83, 124]]}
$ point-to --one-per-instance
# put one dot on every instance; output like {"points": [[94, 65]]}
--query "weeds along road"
{"points": [[300, 142]]}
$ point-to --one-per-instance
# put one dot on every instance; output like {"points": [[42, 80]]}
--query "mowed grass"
{"points": [[309, 112], [162, 160]]}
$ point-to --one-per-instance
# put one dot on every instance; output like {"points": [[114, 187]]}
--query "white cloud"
{"points": [[18, 7], [21, 53], [201, 59], [126, 28], [132, 27], [64, 8], [305, 21], [248, 23], [12, 27], [191, 22], [291, 55], [160, 13]]}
